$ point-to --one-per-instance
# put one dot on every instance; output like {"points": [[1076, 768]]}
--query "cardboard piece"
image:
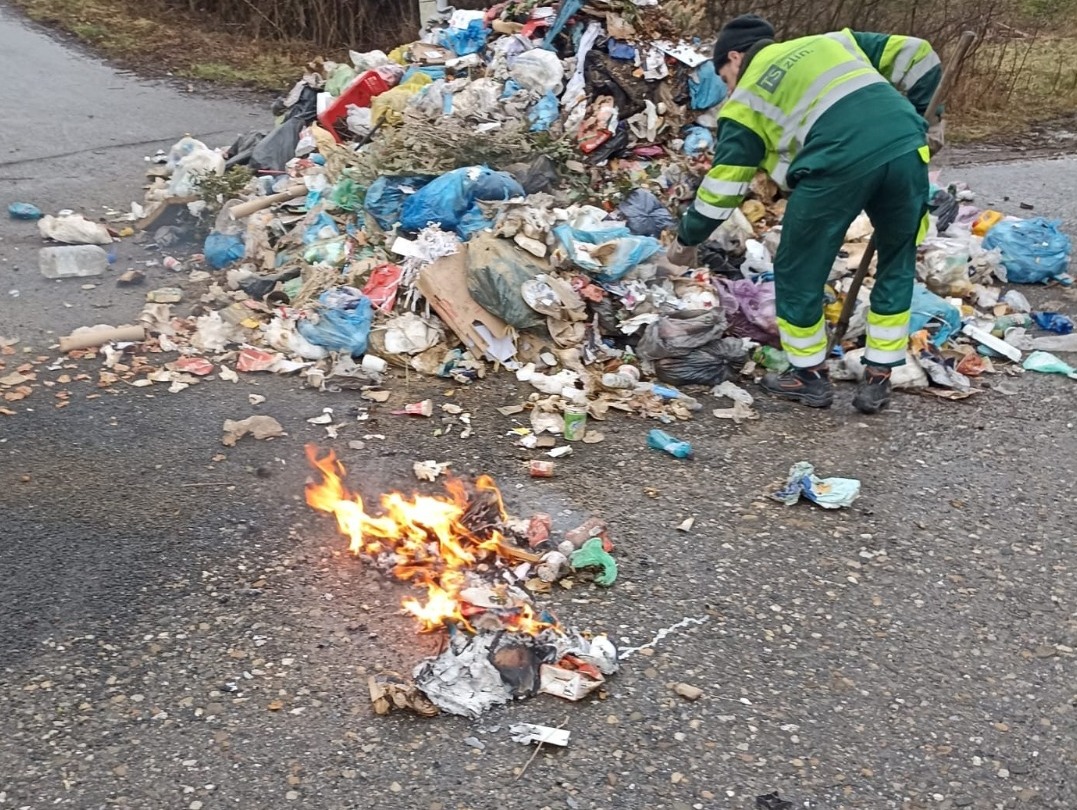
{"points": [[444, 284]]}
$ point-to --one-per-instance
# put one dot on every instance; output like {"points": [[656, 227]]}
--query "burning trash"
{"points": [[473, 562]]}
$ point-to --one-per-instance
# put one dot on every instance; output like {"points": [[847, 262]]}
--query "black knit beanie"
{"points": [[740, 34]]}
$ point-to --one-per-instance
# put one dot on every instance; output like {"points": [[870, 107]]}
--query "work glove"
{"points": [[682, 255], [936, 136]]}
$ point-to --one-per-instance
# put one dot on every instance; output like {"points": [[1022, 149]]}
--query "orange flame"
{"points": [[430, 544]]}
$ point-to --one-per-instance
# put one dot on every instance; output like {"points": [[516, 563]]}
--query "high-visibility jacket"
{"points": [[777, 117]]}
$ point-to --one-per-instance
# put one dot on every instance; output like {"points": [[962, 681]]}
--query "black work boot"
{"points": [[808, 386], [873, 393]]}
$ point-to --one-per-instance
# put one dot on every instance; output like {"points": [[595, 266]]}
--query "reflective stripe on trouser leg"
{"points": [[805, 346], [888, 338]]}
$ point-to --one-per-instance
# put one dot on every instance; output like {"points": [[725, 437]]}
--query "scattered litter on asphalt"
{"points": [[476, 565], [528, 733], [829, 493], [772, 801], [260, 427]]}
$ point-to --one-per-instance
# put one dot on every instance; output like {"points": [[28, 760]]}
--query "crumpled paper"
{"points": [[829, 493]]}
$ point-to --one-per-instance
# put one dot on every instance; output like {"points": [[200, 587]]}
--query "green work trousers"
{"points": [[817, 216]]}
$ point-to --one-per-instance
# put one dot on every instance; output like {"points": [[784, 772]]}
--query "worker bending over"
{"points": [[837, 118]]}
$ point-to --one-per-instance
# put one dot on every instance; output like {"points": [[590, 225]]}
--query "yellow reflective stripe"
{"points": [[925, 225], [712, 211], [802, 340], [890, 53], [722, 188], [888, 333], [882, 357], [925, 153], [897, 319], [909, 49], [735, 174], [919, 70]]}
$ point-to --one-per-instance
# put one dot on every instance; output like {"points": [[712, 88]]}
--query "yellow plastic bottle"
{"points": [[986, 221]]}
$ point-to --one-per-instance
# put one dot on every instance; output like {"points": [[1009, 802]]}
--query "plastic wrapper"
{"points": [[698, 140], [644, 214], [1033, 251], [750, 309], [538, 70], [1047, 363], [609, 252], [931, 312], [829, 493], [1053, 322]]}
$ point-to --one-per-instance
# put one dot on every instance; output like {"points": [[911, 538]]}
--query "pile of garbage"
{"points": [[497, 195]]}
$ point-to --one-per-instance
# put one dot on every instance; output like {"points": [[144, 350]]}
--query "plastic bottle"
{"points": [[660, 440], [72, 261]]}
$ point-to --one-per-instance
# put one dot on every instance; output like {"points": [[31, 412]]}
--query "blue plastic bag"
{"points": [[1033, 250], [929, 309], [705, 89], [223, 249], [451, 200], [620, 50], [544, 112], [698, 140], [566, 11], [340, 329], [322, 226], [467, 40], [628, 252], [1053, 322], [386, 195]]}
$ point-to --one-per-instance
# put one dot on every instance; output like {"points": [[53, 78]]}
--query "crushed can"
{"points": [[541, 469], [575, 423]]}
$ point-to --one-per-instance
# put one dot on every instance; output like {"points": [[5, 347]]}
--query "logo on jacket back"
{"points": [[770, 80]]}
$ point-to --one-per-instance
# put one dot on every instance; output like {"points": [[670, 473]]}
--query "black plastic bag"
{"points": [[711, 364], [278, 147], [538, 175], [242, 148], [944, 206], [644, 214], [679, 333]]}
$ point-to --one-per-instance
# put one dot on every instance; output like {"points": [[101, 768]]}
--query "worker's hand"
{"points": [[682, 255], [936, 136]]}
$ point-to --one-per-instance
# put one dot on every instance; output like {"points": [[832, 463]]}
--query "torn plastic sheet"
{"points": [[529, 733], [462, 680], [829, 493]]}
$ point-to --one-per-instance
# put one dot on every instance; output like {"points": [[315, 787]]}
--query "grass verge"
{"points": [[1008, 86], [151, 38]]}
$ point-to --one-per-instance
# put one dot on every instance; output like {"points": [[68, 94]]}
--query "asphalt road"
{"points": [[161, 592]]}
